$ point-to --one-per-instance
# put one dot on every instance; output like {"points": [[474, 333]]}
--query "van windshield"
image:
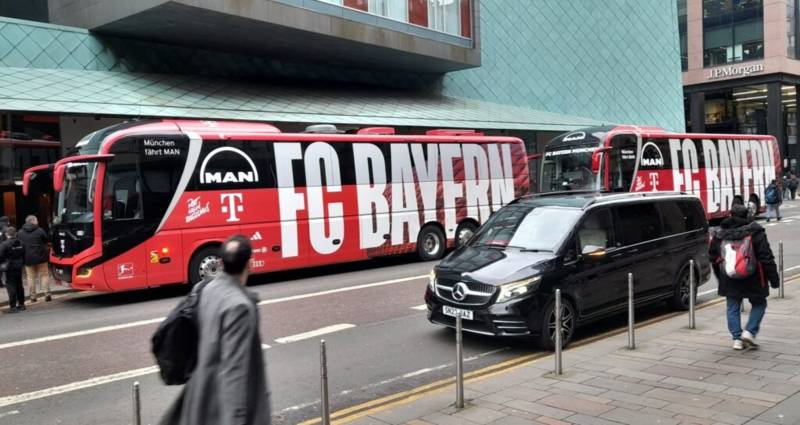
{"points": [[523, 227]]}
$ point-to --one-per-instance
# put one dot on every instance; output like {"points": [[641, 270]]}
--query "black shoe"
{"points": [[21, 308], [12, 310], [48, 298]]}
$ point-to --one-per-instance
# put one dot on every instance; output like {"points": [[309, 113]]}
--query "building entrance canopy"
{"points": [[183, 96]]}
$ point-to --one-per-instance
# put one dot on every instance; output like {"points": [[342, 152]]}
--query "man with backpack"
{"points": [[11, 258], [773, 198], [228, 384], [743, 263]]}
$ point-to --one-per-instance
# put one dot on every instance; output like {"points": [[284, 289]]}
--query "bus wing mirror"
{"points": [[61, 167], [29, 174], [596, 156], [58, 177]]}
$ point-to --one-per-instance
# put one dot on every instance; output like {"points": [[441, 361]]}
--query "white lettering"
{"points": [[231, 205], [427, 176], [323, 242], [713, 194], [289, 201], [404, 195], [501, 174], [476, 182], [373, 208], [452, 189]]}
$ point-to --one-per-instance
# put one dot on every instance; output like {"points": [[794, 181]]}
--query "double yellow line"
{"points": [[398, 399]]}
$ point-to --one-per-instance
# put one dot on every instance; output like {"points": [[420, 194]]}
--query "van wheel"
{"points": [[205, 264], [548, 325], [680, 296], [431, 243], [464, 232]]}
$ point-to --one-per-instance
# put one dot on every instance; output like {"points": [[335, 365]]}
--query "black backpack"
{"points": [[174, 344]]}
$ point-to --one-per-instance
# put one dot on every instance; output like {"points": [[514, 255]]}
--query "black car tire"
{"points": [[546, 339], [680, 295], [197, 259], [465, 226], [431, 243]]}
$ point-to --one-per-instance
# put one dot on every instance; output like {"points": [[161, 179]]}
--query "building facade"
{"points": [[532, 70], [741, 69]]}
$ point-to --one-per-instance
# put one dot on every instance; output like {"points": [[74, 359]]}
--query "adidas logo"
{"points": [[256, 237]]}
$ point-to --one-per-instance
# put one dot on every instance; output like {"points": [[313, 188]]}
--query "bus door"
{"points": [[622, 163]]}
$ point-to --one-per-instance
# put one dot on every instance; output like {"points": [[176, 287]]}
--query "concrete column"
{"points": [[775, 121], [694, 33], [697, 105]]}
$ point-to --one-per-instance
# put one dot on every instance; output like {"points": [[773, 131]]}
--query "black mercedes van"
{"points": [[502, 281]]}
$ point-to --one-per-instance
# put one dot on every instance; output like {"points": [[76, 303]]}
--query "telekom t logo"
{"points": [[654, 181], [231, 205]]}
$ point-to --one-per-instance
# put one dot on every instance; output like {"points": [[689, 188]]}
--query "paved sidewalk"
{"points": [[675, 376], [54, 289]]}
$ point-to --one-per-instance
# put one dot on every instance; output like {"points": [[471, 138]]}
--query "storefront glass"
{"points": [[733, 31], [742, 110]]}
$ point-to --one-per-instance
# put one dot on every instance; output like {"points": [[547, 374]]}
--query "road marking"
{"points": [[49, 392], [792, 268], [771, 224], [80, 333], [160, 319], [420, 307], [11, 413], [710, 291], [339, 290], [315, 333], [265, 346]]}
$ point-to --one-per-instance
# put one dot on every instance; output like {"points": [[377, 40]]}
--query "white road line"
{"points": [[159, 319], [80, 333], [315, 333], [771, 224], [710, 291], [346, 289], [792, 268], [49, 392], [420, 307], [265, 346], [11, 413]]}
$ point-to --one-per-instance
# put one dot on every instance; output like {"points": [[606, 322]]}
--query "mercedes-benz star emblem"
{"points": [[460, 291]]}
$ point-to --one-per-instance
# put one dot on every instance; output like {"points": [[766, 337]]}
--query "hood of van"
{"points": [[494, 266]]}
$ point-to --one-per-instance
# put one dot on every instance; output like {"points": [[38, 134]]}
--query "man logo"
{"points": [[651, 155], [578, 135], [222, 177]]}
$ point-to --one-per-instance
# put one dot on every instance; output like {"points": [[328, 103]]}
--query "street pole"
{"points": [[459, 365], [137, 405], [323, 369], [558, 335], [780, 268], [631, 315], [692, 295]]}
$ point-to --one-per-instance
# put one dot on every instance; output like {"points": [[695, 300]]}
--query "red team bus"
{"points": [[147, 203], [717, 168]]}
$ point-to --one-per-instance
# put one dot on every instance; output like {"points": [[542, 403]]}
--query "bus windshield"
{"points": [[76, 199], [568, 169]]}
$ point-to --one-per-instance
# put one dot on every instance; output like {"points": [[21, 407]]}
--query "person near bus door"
{"points": [[229, 384], [793, 184], [12, 256], [773, 199], [4, 223], [723, 251], [35, 240]]}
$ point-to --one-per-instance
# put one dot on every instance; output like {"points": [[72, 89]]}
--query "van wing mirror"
{"points": [[593, 252]]}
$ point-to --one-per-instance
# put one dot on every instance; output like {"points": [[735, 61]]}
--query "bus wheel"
{"points": [[205, 264], [431, 243], [464, 232]]}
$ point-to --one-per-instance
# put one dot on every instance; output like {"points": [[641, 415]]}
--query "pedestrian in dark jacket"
{"points": [[774, 199], [753, 287], [793, 184], [229, 384], [12, 254], [35, 241]]}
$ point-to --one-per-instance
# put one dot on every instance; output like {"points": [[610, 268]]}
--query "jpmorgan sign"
{"points": [[734, 71]]}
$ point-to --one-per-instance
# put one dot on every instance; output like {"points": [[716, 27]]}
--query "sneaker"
{"points": [[12, 310], [21, 308], [749, 339], [48, 298], [738, 344]]}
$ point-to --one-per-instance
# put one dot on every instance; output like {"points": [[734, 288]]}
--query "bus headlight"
{"points": [[432, 281], [84, 272], [518, 288]]}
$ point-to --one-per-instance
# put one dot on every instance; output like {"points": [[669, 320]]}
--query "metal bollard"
{"points": [[558, 333], [692, 294], [780, 268], [459, 365], [323, 370], [631, 314], [137, 405]]}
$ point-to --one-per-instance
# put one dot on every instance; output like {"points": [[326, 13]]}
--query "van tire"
{"points": [[547, 321], [464, 232], [431, 243], [201, 259], [680, 295]]}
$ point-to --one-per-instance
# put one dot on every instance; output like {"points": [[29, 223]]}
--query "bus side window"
{"points": [[623, 162]]}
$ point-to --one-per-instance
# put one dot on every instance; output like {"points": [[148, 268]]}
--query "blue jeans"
{"points": [[759, 307]]}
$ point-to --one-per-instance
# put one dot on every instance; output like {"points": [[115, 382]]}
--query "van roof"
{"points": [[586, 199]]}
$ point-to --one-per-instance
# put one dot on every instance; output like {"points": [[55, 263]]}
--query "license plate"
{"points": [[456, 312]]}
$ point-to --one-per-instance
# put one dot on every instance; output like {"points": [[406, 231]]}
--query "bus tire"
{"points": [[431, 243], [205, 264], [464, 232]]}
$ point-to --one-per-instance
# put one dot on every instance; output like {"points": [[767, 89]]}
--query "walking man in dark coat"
{"points": [[12, 252], [754, 288], [229, 385], [35, 241]]}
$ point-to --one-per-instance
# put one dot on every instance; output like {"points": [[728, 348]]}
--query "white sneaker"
{"points": [[738, 344], [749, 339]]}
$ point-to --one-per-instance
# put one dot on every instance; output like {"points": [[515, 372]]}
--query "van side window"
{"points": [[695, 215], [596, 232], [673, 217], [637, 223]]}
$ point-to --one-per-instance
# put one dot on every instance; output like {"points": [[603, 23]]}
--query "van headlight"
{"points": [[432, 281], [518, 288]]}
